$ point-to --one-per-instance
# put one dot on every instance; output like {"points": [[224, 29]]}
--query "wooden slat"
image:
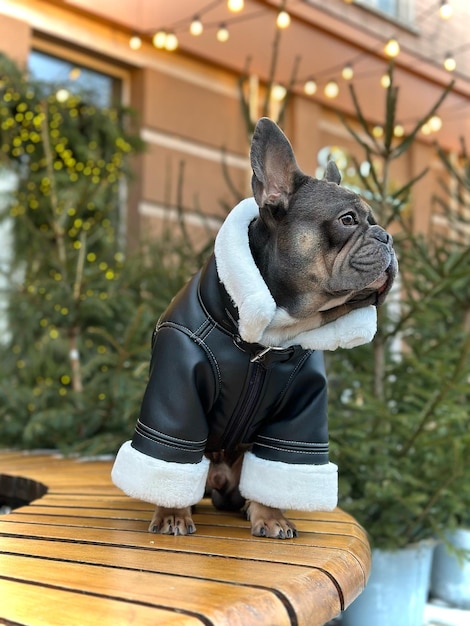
{"points": [[217, 601], [26, 604], [84, 541]]}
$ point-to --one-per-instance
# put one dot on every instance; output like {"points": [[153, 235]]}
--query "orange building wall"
{"points": [[189, 112]]}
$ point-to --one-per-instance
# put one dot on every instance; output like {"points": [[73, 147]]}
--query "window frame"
{"points": [[86, 59]]}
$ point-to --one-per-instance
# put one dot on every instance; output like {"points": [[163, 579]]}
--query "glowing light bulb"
{"points": [[135, 42], [435, 123], [283, 19], [378, 132], [445, 10], [235, 5], [171, 42], [310, 87], [392, 48], [347, 72], [196, 27], [278, 92], [398, 131], [450, 63], [385, 81], [222, 34], [331, 89], [159, 39]]}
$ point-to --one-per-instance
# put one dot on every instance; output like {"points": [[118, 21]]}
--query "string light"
{"points": [[435, 123], [385, 81], [278, 92], [135, 42], [163, 39], [235, 5], [283, 19], [159, 39], [171, 42], [196, 26], [331, 89], [392, 48], [445, 10], [450, 63], [398, 130], [347, 72], [222, 33], [310, 87], [378, 132]]}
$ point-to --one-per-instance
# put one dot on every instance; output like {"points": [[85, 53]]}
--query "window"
{"points": [[402, 10], [61, 74]]}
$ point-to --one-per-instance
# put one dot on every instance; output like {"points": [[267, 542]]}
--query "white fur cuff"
{"points": [[159, 482], [289, 486]]}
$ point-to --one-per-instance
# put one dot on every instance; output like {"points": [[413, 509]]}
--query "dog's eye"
{"points": [[349, 219]]}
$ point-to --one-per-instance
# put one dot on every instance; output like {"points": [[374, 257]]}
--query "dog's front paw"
{"points": [[269, 522], [172, 521]]}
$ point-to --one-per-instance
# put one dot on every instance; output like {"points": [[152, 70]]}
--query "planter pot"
{"points": [[450, 578], [397, 590]]}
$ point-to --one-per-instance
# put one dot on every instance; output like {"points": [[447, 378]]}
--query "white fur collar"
{"points": [[256, 306]]}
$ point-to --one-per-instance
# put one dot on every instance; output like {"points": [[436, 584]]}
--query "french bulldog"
{"points": [[236, 401]]}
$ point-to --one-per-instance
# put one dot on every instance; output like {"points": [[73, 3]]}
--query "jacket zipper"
{"points": [[242, 417]]}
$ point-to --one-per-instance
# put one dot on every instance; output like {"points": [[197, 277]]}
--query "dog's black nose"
{"points": [[381, 235]]}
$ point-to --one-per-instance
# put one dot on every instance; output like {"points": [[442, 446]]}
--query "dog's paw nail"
{"points": [[295, 533], [289, 534], [191, 529], [153, 529], [281, 534], [262, 531]]}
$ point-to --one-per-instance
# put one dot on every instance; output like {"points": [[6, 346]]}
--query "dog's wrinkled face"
{"points": [[316, 244]]}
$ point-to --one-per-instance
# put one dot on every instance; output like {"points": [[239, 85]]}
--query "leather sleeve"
{"points": [[180, 392]]}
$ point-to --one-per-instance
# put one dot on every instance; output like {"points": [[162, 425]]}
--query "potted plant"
{"points": [[397, 415]]}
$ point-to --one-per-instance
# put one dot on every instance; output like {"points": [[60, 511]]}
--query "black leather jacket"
{"points": [[209, 390]]}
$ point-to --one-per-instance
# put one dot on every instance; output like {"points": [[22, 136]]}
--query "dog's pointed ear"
{"points": [[274, 165], [332, 174]]}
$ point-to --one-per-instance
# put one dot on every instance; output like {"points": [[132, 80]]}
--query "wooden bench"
{"points": [[81, 555]]}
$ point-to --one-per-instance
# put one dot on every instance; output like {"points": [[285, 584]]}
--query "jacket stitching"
{"points": [[167, 445], [302, 443], [286, 449], [158, 432], [294, 373], [197, 340]]}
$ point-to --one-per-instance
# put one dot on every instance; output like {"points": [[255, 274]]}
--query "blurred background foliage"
{"points": [[79, 310]]}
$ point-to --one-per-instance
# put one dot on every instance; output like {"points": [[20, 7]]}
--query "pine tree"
{"points": [[79, 312]]}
